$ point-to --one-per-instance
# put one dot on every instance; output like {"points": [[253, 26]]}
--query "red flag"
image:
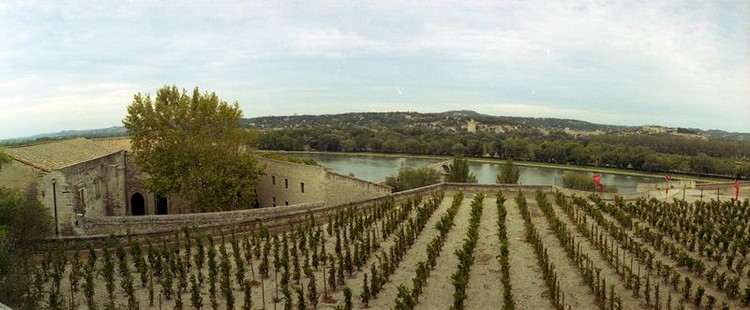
{"points": [[736, 190], [598, 181]]}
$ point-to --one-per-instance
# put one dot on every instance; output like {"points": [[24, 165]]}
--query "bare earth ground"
{"points": [[525, 276], [628, 301], [438, 294], [406, 270], [684, 271], [573, 286], [485, 291]]}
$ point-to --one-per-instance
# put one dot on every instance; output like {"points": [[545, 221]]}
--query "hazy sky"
{"points": [[77, 64]]}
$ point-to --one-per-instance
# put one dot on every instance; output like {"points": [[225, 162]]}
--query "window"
{"points": [[273, 180], [274, 200], [286, 203], [81, 197], [286, 183], [98, 188], [302, 187]]}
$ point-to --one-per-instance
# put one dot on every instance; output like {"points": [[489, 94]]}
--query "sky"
{"points": [[77, 64]]}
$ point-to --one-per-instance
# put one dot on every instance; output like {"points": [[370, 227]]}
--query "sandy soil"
{"points": [[697, 281], [438, 293], [628, 301], [573, 286], [406, 270], [526, 280], [485, 291]]}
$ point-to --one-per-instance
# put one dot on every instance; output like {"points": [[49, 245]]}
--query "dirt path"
{"points": [[484, 290], [438, 292], [406, 270], [573, 285], [525, 276]]}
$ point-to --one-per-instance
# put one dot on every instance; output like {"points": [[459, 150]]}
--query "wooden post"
{"points": [[683, 191]]}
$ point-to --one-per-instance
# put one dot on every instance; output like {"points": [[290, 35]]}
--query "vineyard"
{"points": [[458, 250]]}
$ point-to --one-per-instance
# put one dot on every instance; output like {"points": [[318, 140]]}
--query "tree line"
{"points": [[656, 153]]}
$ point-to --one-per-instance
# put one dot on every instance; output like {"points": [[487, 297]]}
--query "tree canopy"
{"points": [[460, 171], [22, 223], [4, 158], [409, 178], [194, 146], [509, 174]]}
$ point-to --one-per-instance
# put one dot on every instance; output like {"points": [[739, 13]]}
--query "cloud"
{"points": [[685, 63]]}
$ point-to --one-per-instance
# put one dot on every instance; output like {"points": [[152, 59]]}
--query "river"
{"points": [[376, 168]]}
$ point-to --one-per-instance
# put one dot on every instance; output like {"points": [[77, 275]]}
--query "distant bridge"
{"points": [[443, 167]]}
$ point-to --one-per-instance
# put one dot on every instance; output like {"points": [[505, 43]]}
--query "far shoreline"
{"points": [[490, 160]]}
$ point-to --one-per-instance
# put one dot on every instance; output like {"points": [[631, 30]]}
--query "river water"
{"points": [[376, 168]]}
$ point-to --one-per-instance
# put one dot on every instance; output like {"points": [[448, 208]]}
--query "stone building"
{"points": [[287, 183], [73, 178], [82, 179]]}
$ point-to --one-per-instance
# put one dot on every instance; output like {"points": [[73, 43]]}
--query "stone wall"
{"points": [[287, 183], [341, 188], [22, 177], [90, 189], [276, 219], [135, 185]]}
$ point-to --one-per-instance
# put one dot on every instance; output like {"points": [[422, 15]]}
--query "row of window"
{"points": [[286, 184]]}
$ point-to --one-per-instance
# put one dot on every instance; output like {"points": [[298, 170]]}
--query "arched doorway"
{"points": [[137, 205], [161, 205]]}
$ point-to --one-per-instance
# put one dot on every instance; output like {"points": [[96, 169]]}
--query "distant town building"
{"points": [[471, 126]]}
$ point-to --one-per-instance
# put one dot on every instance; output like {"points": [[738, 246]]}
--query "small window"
{"points": [[98, 189], [286, 183], [81, 197], [286, 203], [274, 204], [273, 180], [274, 199], [302, 187]]}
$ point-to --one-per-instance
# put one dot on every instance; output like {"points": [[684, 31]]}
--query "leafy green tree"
{"points": [[509, 174], [193, 146], [460, 171], [4, 158], [409, 178], [22, 223]]}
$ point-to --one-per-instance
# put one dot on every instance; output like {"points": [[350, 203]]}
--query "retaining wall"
{"points": [[244, 221]]}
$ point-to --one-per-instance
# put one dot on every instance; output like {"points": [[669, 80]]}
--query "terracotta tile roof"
{"points": [[114, 144], [59, 154]]}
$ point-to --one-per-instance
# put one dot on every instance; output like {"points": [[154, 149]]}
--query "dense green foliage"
{"points": [[409, 178], [460, 171], [193, 145], [4, 158], [631, 150], [509, 173], [22, 223], [583, 182]]}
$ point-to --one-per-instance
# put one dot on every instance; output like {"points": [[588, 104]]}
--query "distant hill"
{"points": [[397, 119], [449, 118], [115, 131]]}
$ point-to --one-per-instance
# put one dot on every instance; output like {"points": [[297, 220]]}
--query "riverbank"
{"points": [[607, 170]]}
